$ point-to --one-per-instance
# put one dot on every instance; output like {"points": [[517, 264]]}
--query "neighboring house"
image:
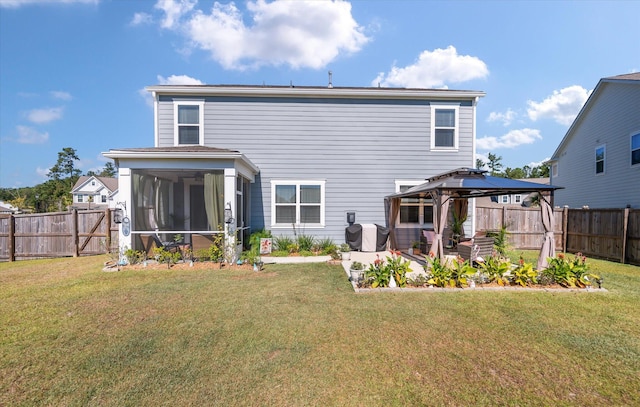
{"points": [[7, 208], [522, 199], [91, 192], [598, 160], [293, 160]]}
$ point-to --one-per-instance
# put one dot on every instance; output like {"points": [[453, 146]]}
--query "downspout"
{"points": [[156, 136]]}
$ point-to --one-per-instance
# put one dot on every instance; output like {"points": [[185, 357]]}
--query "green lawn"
{"points": [[294, 335]]}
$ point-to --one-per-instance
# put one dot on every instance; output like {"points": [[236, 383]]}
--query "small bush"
{"points": [[283, 243], [305, 242]]}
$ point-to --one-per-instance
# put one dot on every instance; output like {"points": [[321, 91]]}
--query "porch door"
{"points": [[196, 208]]}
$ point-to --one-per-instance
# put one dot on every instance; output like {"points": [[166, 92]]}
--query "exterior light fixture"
{"points": [[228, 215]]}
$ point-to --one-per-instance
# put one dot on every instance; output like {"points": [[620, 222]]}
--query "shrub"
{"points": [[134, 256], [496, 269], [283, 243], [570, 272], [254, 239], [524, 274], [305, 242], [381, 272]]}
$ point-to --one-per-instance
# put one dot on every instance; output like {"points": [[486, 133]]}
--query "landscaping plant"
{"points": [[570, 271], [440, 275], [496, 269], [524, 274]]}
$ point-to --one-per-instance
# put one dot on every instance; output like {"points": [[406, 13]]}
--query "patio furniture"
{"points": [[426, 239], [151, 241], [476, 249]]}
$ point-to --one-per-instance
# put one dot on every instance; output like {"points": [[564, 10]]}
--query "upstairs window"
{"points": [[189, 117], [517, 199], [635, 149], [444, 127], [103, 198], [80, 198], [297, 203], [600, 160]]}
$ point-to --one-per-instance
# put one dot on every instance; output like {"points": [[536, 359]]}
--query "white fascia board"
{"points": [[364, 93], [164, 155]]}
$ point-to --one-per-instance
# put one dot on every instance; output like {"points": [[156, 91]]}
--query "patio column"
{"points": [[124, 196], [230, 175]]}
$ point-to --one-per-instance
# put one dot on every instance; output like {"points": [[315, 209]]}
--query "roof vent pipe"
{"points": [[330, 80]]}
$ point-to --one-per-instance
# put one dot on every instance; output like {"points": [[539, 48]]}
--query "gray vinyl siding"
{"points": [[359, 148], [611, 119]]}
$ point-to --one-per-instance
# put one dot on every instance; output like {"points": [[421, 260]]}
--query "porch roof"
{"points": [[180, 152]]}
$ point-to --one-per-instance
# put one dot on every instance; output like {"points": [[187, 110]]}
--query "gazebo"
{"points": [[460, 185]]}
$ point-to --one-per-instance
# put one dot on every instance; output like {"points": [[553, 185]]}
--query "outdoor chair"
{"points": [[426, 239], [152, 241], [476, 249]]}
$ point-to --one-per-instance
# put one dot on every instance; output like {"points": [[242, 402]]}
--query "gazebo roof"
{"points": [[470, 183]]}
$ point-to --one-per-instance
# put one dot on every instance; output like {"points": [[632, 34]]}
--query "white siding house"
{"points": [[91, 192], [598, 160], [290, 159]]}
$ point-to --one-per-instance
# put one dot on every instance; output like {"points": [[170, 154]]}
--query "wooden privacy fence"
{"points": [[57, 234], [612, 234]]}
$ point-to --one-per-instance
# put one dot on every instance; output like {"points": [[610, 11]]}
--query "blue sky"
{"points": [[73, 72]]}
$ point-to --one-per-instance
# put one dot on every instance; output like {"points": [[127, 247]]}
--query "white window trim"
{"points": [[200, 104], [604, 159], [633, 133], [297, 183], [517, 199], [456, 132], [504, 199], [421, 224], [554, 170]]}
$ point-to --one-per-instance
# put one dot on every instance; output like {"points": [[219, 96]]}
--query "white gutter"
{"points": [[266, 91], [148, 155]]}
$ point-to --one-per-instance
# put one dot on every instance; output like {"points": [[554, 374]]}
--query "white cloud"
{"points": [[43, 172], [29, 135], [435, 69], [295, 33], [562, 106], [20, 3], [506, 118], [512, 139], [56, 94], [178, 80], [174, 10], [538, 163], [141, 18], [47, 115], [171, 80]]}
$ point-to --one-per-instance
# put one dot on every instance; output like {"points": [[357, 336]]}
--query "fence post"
{"points": [[74, 233], [625, 226], [12, 238], [565, 229], [107, 215]]}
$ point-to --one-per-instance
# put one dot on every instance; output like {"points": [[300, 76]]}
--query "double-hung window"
{"points": [[444, 127], [297, 203], [414, 211], [635, 149], [188, 123], [600, 151]]}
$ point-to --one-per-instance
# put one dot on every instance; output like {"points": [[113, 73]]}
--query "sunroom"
{"points": [[185, 195]]}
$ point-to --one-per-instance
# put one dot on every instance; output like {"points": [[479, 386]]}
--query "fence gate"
{"points": [[57, 234]]}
